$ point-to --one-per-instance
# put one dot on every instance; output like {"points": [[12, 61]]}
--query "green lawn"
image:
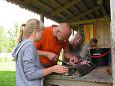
{"points": [[7, 74]]}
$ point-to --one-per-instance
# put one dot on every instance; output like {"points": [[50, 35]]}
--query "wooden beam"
{"points": [[24, 1], [89, 21], [67, 5], [59, 5], [37, 1], [104, 11], [69, 12], [42, 3], [77, 8], [112, 5], [42, 18], [85, 13], [55, 3], [64, 17], [98, 13], [79, 11], [87, 8], [61, 16]]}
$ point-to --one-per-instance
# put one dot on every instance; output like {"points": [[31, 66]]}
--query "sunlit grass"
{"points": [[7, 66]]}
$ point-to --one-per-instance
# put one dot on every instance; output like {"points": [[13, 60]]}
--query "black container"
{"points": [[101, 56]]}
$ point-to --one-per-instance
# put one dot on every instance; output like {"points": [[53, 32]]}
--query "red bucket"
{"points": [[101, 56]]}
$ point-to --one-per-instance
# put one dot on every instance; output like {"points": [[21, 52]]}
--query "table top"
{"points": [[97, 75]]}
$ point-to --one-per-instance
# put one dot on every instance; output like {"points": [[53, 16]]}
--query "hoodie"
{"points": [[28, 68]]}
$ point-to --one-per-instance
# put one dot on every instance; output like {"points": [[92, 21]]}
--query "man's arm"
{"points": [[50, 55], [69, 56], [67, 53], [42, 53]]}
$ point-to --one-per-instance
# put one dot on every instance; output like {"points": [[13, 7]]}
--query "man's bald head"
{"points": [[65, 31], [65, 28]]}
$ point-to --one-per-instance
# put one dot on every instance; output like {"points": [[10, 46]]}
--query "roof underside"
{"points": [[67, 10]]}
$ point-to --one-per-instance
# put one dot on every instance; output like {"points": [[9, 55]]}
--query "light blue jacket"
{"points": [[28, 69]]}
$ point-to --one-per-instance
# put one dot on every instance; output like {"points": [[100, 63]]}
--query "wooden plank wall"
{"points": [[99, 30], [89, 32], [103, 34]]}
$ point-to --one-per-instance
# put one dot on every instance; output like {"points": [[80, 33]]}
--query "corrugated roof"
{"points": [[67, 10]]}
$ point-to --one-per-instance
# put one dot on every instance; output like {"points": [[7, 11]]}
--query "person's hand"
{"points": [[84, 62], [73, 60], [52, 56], [60, 69]]}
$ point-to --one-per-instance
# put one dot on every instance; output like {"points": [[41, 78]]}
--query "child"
{"points": [[85, 51], [28, 69]]}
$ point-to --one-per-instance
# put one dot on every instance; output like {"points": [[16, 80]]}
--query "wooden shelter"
{"points": [[93, 15]]}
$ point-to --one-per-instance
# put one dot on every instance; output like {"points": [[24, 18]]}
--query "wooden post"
{"points": [[42, 18], [112, 8], [73, 32]]}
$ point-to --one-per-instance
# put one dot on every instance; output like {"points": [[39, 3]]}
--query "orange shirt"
{"points": [[50, 43]]}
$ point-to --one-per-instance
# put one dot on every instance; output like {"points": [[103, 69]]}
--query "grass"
{"points": [[7, 78], [7, 74]]}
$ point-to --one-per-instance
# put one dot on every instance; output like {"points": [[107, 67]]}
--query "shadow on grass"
{"points": [[7, 78]]}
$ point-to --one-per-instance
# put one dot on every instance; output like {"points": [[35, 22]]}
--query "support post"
{"points": [[42, 18], [112, 8]]}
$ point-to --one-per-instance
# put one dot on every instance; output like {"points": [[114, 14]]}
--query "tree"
{"points": [[8, 38], [2, 37], [11, 37]]}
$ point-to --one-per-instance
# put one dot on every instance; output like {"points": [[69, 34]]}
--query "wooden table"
{"points": [[97, 77]]}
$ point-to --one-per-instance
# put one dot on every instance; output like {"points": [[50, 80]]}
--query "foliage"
{"points": [[8, 38], [2, 37], [12, 36]]}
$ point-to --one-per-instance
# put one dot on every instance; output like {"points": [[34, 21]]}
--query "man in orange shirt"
{"points": [[54, 39]]}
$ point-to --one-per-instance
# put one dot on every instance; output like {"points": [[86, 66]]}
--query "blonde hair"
{"points": [[27, 29]]}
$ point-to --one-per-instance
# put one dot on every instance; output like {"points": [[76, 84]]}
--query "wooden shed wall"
{"points": [[99, 30], [103, 34], [88, 32]]}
